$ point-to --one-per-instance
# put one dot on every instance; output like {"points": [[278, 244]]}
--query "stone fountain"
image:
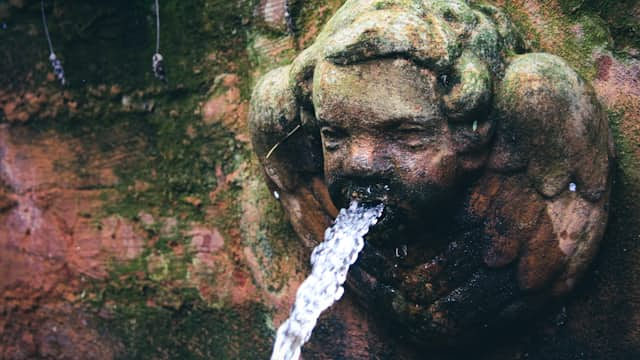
{"points": [[493, 163]]}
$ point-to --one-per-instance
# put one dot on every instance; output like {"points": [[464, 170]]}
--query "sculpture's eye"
{"points": [[413, 135], [332, 137], [411, 128]]}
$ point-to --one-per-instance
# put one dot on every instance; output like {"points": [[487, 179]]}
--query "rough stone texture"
{"points": [[227, 107], [51, 244], [142, 157], [120, 198]]}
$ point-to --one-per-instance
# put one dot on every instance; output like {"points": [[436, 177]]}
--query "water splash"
{"points": [[330, 262]]}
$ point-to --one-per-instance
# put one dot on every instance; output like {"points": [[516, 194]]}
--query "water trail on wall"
{"points": [[330, 262]]}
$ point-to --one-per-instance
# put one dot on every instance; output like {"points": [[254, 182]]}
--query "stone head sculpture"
{"points": [[494, 165]]}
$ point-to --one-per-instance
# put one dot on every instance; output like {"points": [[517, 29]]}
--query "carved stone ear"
{"points": [[552, 130], [290, 154], [272, 115], [273, 111], [552, 125]]}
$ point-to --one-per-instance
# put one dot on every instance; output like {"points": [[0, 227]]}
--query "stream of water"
{"points": [[330, 262]]}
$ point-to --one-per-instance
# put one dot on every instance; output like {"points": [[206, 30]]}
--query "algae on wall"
{"points": [[181, 159]]}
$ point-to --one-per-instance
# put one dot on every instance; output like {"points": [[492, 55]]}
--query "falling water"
{"points": [[330, 262]]}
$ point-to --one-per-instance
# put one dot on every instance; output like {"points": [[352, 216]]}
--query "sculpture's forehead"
{"points": [[373, 92]]}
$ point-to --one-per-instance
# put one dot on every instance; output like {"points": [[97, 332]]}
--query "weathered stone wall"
{"points": [[134, 220]]}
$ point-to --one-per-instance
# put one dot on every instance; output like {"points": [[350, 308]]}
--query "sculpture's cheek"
{"points": [[429, 168]]}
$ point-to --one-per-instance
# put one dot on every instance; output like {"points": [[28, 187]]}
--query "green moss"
{"points": [[573, 37], [178, 159], [274, 241], [310, 17], [591, 34], [391, 4], [111, 43], [618, 15], [193, 331], [381, 5], [170, 158], [523, 24], [625, 149]]}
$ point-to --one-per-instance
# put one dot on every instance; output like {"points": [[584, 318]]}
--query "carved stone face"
{"points": [[494, 170], [383, 133]]}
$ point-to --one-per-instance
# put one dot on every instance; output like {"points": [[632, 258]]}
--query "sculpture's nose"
{"points": [[364, 173], [361, 159], [366, 160]]}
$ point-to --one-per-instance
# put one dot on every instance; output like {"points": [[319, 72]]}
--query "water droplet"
{"points": [[562, 317], [475, 125], [443, 80], [572, 187], [276, 195]]}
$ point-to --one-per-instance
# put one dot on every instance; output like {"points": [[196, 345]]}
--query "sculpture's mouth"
{"points": [[368, 194], [395, 209], [424, 205], [391, 225], [411, 255]]}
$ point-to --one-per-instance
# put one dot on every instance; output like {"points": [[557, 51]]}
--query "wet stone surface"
{"points": [[496, 181]]}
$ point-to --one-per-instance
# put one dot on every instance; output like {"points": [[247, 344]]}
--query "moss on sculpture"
{"points": [[436, 103]]}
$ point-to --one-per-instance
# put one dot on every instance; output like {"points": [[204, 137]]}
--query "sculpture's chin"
{"points": [[404, 238], [436, 290]]}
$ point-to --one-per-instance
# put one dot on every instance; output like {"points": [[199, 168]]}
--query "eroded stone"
{"points": [[471, 145]]}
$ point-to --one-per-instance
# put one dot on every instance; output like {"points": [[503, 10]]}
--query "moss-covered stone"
{"points": [[621, 17], [191, 332]]}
